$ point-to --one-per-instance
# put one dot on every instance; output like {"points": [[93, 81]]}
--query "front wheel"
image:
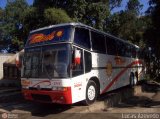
{"points": [[91, 93]]}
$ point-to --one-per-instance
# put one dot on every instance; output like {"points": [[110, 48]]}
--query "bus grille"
{"points": [[39, 97]]}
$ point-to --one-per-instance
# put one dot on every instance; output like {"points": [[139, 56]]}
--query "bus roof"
{"points": [[85, 26]]}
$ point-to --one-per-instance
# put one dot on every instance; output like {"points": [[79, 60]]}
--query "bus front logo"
{"points": [[109, 68]]}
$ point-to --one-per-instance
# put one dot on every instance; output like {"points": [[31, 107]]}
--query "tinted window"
{"points": [[81, 37], [88, 61], [121, 48], [98, 42], [133, 52], [111, 46], [128, 51]]}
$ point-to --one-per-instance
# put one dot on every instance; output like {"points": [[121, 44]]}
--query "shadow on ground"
{"points": [[148, 87], [125, 98]]}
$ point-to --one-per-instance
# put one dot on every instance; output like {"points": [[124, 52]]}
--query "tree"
{"points": [[1, 21], [114, 3], [11, 26], [127, 24], [54, 16], [91, 12], [152, 36], [33, 18]]}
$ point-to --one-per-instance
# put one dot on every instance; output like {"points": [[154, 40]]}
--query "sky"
{"points": [[144, 2], [124, 3], [3, 3]]}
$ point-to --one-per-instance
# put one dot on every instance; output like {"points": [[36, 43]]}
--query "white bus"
{"points": [[73, 62]]}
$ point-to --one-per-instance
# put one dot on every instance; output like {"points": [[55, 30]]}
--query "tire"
{"points": [[133, 80], [136, 76], [91, 93]]}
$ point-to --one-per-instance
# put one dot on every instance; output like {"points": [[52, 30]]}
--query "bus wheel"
{"points": [[132, 82], [136, 78], [91, 93]]}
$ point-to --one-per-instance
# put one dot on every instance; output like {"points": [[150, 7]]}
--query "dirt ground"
{"points": [[143, 105]]}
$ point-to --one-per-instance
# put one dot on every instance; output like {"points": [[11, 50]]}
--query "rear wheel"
{"points": [[91, 93], [133, 80], [136, 76]]}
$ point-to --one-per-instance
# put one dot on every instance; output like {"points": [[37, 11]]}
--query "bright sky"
{"points": [[124, 3], [144, 2], [3, 3]]}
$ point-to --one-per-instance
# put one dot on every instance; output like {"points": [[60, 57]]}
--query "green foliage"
{"points": [[30, 19], [124, 24], [114, 3], [55, 16], [33, 18], [134, 6], [91, 12], [11, 17], [96, 14], [153, 32], [127, 24], [152, 36]]}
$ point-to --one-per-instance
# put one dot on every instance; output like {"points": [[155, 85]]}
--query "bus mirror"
{"points": [[77, 57], [19, 59]]}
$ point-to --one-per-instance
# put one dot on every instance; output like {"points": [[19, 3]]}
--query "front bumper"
{"points": [[61, 97]]}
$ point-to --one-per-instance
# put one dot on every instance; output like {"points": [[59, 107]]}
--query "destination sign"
{"points": [[36, 38], [48, 36]]}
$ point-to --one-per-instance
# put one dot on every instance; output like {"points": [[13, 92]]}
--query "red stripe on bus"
{"points": [[120, 74]]}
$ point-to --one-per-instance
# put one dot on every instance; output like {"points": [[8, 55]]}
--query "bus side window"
{"points": [[98, 42], [121, 48], [133, 52], [128, 51], [111, 46], [81, 37], [77, 62], [88, 61]]}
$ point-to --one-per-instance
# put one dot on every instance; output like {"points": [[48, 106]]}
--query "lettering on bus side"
{"points": [[77, 84], [57, 83]]}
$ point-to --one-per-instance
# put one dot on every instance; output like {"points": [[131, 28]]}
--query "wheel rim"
{"points": [[132, 80], [91, 93], [135, 80]]}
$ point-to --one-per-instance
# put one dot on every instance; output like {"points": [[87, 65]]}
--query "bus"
{"points": [[73, 62]]}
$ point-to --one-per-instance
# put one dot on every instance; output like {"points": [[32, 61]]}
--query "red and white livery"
{"points": [[73, 62]]}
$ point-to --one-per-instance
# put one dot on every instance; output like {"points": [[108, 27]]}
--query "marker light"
{"points": [[60, 88], [59, 33]]}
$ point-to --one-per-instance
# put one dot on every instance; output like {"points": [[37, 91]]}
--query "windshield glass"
{"points": [[47, 62]]}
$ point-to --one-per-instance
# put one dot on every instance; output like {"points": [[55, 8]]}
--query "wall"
{"points": [[3, 58]]}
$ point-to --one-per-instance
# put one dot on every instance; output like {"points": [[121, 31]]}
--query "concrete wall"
{"points": [[3, 58]]}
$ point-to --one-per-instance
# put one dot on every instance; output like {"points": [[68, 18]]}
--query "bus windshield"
{"points": [[47, 62]]}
